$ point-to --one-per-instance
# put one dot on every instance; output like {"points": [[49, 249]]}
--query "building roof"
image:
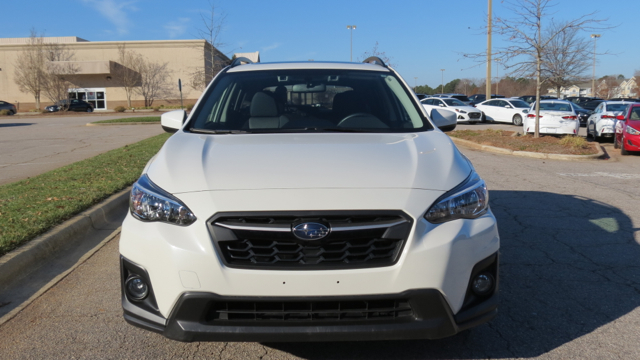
{"points": [[47, 40]]}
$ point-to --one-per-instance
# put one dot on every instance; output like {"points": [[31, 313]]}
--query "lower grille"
{"points": [[309, 310], [354, 240], [474, 115]]}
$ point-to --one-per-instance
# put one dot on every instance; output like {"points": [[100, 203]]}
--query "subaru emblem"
{"points": [[310, 231]]}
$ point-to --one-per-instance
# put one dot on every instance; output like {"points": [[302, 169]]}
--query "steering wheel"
{"points": [[352, 116]]}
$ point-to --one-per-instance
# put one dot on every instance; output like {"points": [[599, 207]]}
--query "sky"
{"points": [[420, 37]]}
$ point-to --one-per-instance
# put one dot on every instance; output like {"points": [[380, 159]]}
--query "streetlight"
{"points": [[351, 27], [593, 79], [497, 74], [442, 80]]}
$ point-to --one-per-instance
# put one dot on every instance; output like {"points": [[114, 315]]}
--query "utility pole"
{"points": [[488, 81], [497, 74], [593, 79], [351, 28], [442, 92]]}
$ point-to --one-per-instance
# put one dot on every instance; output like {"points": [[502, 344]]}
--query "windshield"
{"points": [[617, 107], [520, 104], [461, 97], [453, 102], [555, 106], [307, 100]]}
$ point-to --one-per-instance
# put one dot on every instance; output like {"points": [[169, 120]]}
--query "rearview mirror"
{"points": [[305, 88]]}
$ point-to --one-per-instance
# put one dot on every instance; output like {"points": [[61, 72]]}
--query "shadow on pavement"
{"points": [[568, 266], [14, 124]]}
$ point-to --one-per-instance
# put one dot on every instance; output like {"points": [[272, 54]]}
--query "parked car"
{"points": [[8, 106], [464, 112], [504, 110], [308, 201], [583, 114], [422, 96], [70, 105], [627, 135], [581, 100], [603, 120], [460, 97], [592, 104], [532, 98], [556, 117], [478, 98]]}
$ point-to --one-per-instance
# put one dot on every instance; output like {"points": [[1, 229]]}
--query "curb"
{"points": [[528, 154], [125, 123], [25, 259]]}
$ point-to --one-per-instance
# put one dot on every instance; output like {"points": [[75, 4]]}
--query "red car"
{"points": [[627, 136]]}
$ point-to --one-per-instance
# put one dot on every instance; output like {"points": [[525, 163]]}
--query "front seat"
{"points": [[264, 113]]}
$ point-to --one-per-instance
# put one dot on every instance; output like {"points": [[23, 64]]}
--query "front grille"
{"points": [[320, 311], [356, 240], [474, 115]]}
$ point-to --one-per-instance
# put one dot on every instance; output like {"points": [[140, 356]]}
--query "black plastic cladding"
{"points": [[220, 234], [127, 269]]}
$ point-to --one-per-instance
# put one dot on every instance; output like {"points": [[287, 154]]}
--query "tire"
{"points": [[89, 109], [517, 120], [616, 144], [623, 151], [11, 112], [483, 118]]}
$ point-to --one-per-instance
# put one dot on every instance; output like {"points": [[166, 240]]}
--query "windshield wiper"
{"points": [[208, 131]]}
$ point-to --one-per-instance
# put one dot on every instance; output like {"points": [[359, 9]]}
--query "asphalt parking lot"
{"points": [[570, 282], [31, 145]]}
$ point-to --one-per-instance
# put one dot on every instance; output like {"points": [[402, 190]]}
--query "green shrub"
{"points": [[576, 142], [119, 109], [5, 112], [156, 108]]}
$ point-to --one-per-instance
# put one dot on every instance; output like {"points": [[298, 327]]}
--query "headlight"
{"points": [[461, 111], [632, 131], [148, 202], [468, 200]]}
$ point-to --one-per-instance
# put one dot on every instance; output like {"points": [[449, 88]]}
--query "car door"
{"points": [[489, 109]]}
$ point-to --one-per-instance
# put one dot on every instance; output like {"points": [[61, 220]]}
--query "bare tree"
{"points": [[29, 70], [59, 70], [381, 54], [126, 71], [564, 62], [528, 41], [636, 77], [213, 22], [155, 81], [607, 87]]}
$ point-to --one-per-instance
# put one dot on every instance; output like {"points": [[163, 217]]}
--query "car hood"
{"points": [[196, 162], [465, 108]]}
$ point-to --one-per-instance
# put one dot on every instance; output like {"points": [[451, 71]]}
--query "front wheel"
{"points": [[517, 120], [623, 151], [89, 109]]}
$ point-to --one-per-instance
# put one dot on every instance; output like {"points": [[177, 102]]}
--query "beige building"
{"points": [[95, 62]]}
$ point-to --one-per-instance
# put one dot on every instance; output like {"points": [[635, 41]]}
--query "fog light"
{"points": [[483, 284], [137, 288]]}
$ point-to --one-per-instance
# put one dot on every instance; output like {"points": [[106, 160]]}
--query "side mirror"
{"points": [[508, 106], [172, 121], [445, 120], [441, 105]]}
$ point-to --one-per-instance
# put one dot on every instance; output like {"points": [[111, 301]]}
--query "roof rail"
{"points": [[374, 60], [240, 61]]}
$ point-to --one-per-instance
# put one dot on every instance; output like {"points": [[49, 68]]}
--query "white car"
{"points": [[602, 123], [309, 201], [465, 112], [504, 110], [556, 117]]}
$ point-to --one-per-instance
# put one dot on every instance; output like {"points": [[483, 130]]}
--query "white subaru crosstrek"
{"points": [[309, 201]]}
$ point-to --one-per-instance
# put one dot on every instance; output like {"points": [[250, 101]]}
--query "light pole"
{"points": [[351, 28], [442, 81], [593, 79], [497, 74], [488, 81]]}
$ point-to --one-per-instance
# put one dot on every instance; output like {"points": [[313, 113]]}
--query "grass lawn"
{"points": [[30, 207], [549, 144], [131, 119]]}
